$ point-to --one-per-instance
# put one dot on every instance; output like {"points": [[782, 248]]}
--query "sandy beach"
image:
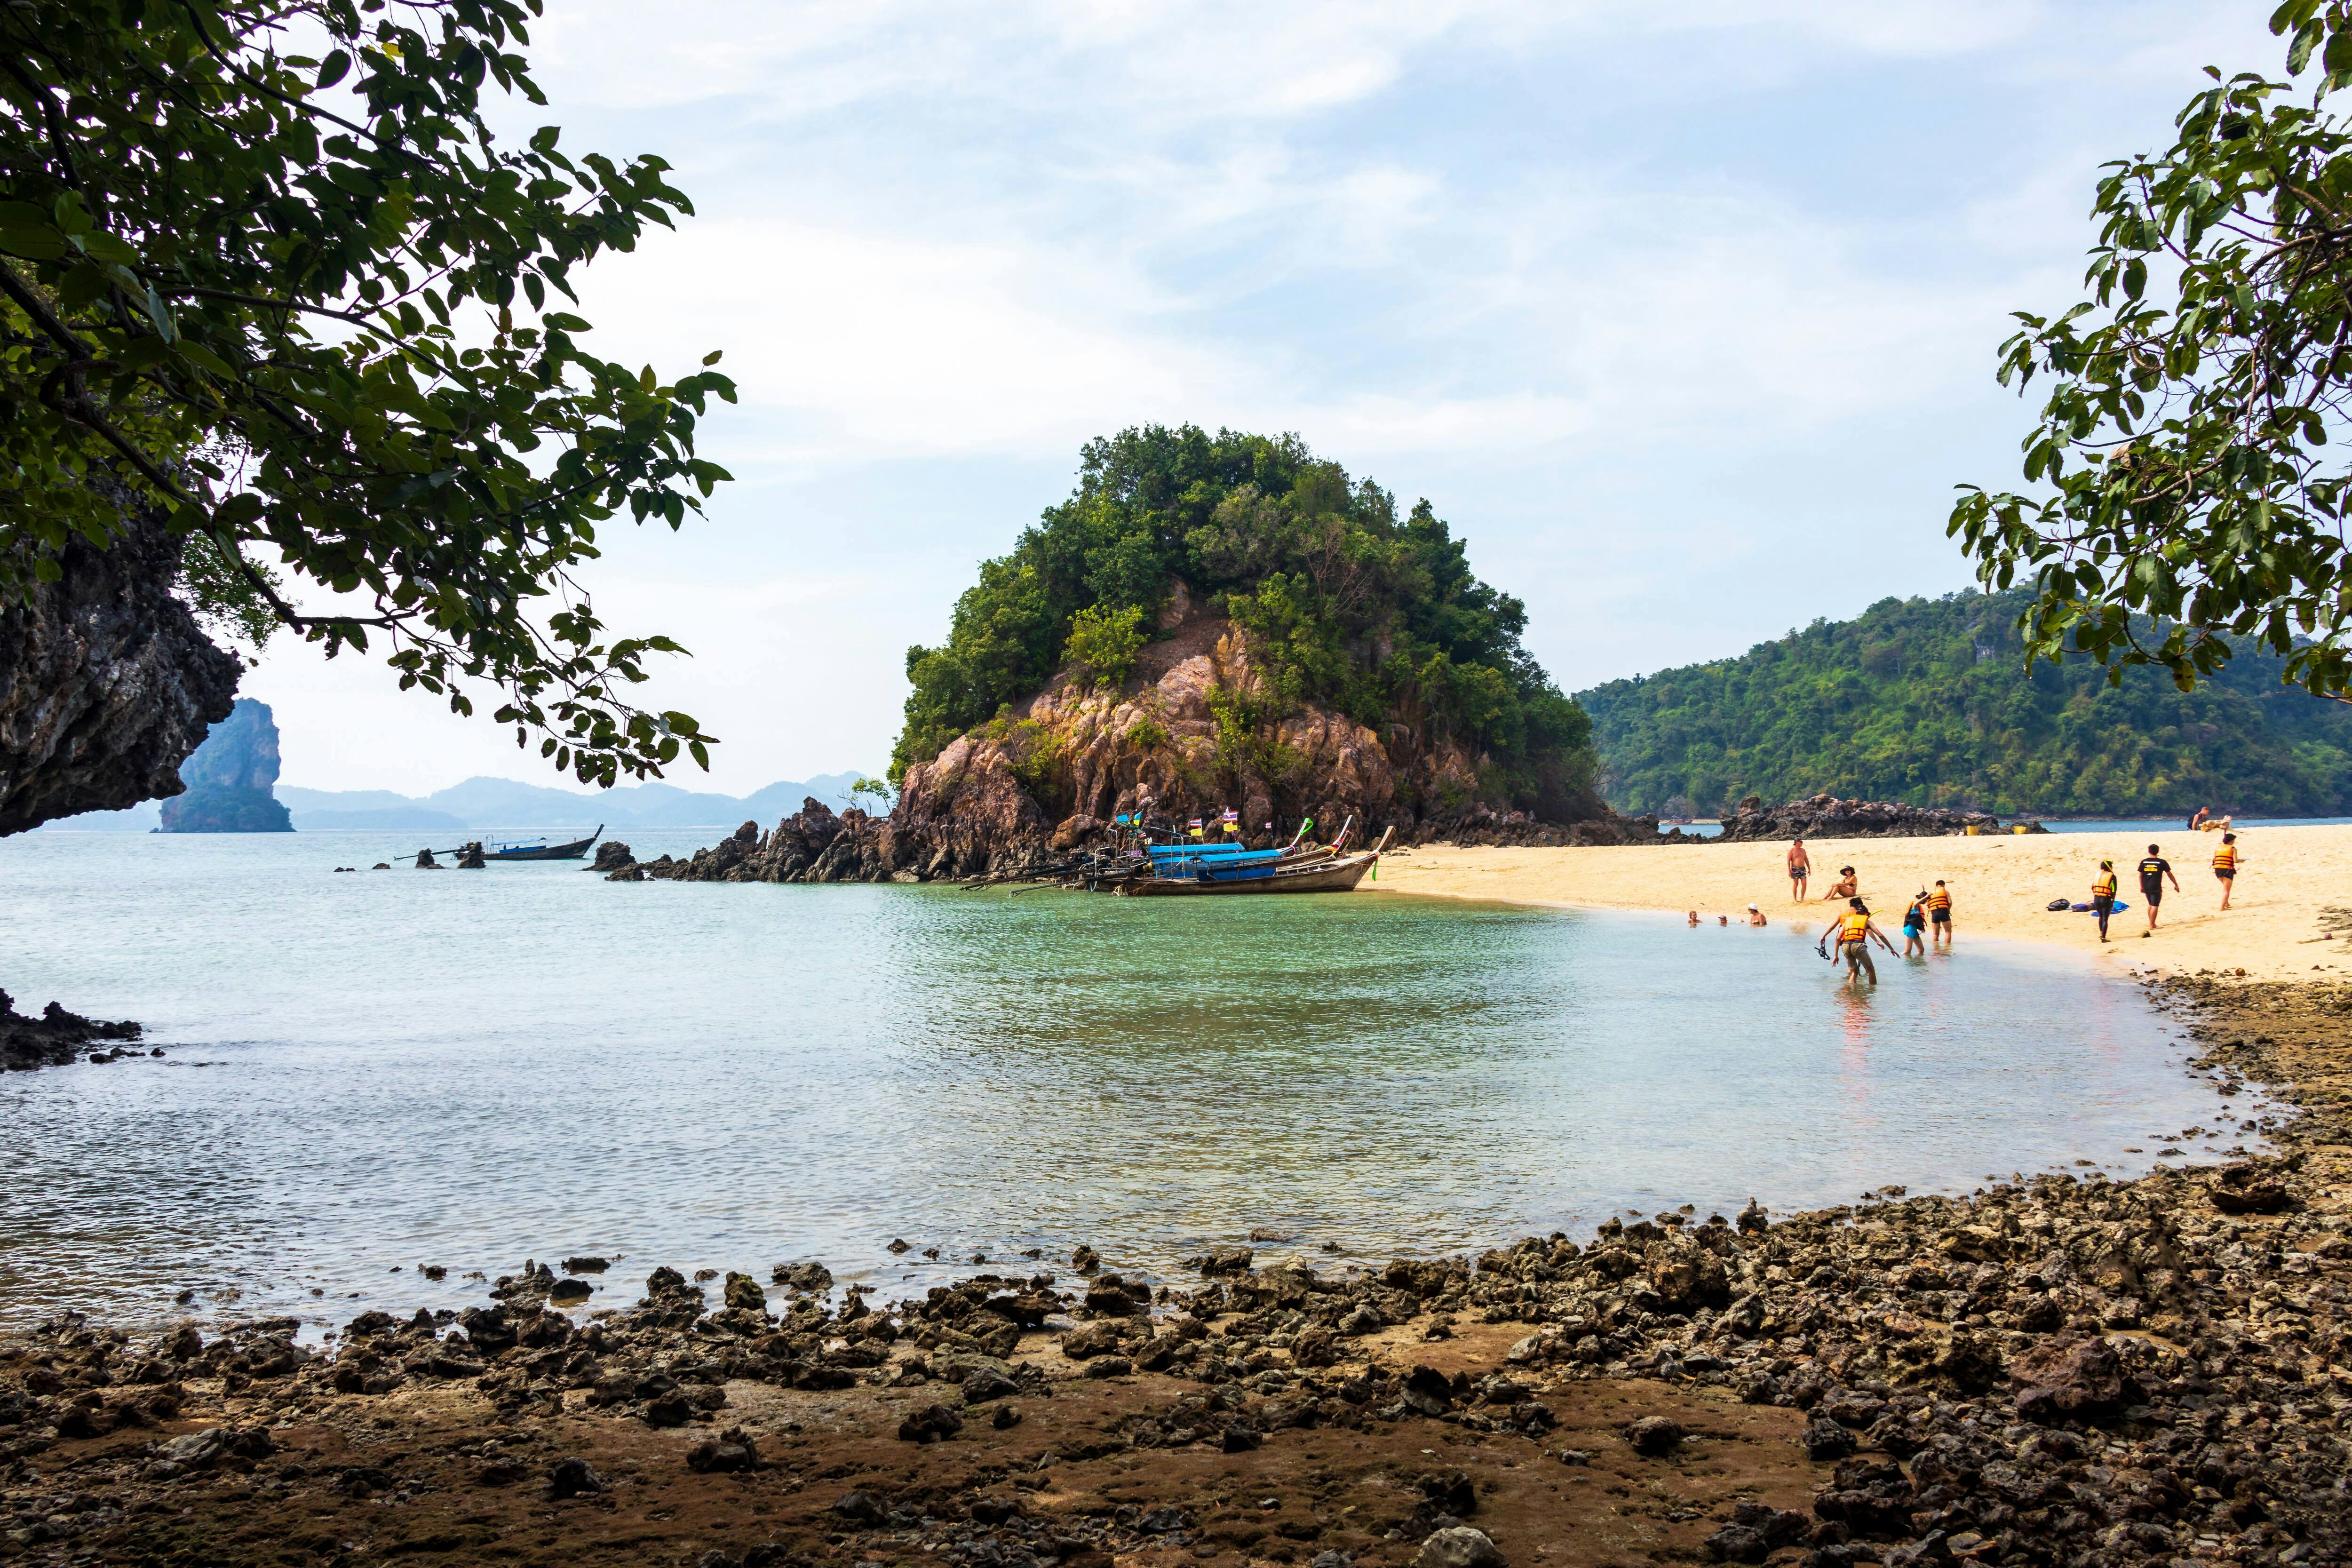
{"points": [[2289, 878]]}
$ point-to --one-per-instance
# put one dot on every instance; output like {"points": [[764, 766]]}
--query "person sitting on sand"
{"points": [[1801, 868], [2226, 861], [1756, 917], [1847, 886], [2153, 870], [1915, 926], [2103, 895], [1855, 934], [2198, 821], [1939, 913]]}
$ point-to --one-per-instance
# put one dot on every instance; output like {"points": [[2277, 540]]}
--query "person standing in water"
{"points": [[2103, 895], [1915, 927], [1856, 934], [1939, 913], [2225, 866], [2154, 869], [1801, 868]]}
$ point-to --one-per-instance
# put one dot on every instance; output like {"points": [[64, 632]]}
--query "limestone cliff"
{"points": [[106, 683], [230, 777]]}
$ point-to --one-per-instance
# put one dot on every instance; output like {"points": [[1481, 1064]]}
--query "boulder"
{"points": [[1459, 1546]]}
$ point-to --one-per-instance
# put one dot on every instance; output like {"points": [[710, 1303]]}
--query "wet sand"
{"points": [[2276, 929]]}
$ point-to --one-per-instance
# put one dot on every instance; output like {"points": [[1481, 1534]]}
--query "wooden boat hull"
{"points": [[577, 850], [1337, 875]]}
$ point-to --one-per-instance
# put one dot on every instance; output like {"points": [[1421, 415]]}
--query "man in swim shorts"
{"points": [[2154, 869], [2225, 866], [1939, 914], [1801, 867]]}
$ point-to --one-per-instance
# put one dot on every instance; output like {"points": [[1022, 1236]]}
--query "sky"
{"points": [[1685, 316]]}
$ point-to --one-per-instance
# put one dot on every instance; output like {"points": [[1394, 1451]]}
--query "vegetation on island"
{"points": [[2187, 503], [1345, 603], [269, 282], [1930, 701]]}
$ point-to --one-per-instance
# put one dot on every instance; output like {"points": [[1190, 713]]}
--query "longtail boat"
{"points": [[543, 850], [1320, 870]]}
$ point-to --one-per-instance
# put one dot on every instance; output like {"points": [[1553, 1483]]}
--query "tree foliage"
{"points": [[1348, 604], [264, 263], [2181, 450], [1930, 701]]}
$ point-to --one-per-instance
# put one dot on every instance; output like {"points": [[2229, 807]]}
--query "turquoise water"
{"points": [[468, 1069]]}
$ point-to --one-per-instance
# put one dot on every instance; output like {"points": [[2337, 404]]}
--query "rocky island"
{"points": [[229, 778], [1210, 624]]}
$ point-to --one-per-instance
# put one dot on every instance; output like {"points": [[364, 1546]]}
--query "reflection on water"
{"points": [[468, 1069]]}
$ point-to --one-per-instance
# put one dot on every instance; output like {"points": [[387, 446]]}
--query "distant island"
{"points": [[1926, 701], [229, 778], [480, 805]]}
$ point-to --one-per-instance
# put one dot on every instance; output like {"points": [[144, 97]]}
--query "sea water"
{"points": [[366, 1072]]}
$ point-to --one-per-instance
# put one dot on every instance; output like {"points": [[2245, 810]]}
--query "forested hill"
{"points": [[1925, 701], [1345, 602]]}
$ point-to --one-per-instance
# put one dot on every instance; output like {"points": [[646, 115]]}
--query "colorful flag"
{"points": [[1193, 827], [1232, 820]]}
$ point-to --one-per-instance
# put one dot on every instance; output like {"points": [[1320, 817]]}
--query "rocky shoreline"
{"points": [[816, 845], [55, 1037], [1826, 817], [2054, 1372]]}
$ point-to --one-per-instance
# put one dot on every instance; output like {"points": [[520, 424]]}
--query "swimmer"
{"points": [[2226, 861], [1854, 935], [1939, 913], [1756, 917], [1915, 926], [1694, 918], [1801, 867], [1723, 919]]}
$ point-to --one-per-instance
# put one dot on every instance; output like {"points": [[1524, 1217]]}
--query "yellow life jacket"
{"points": [[1858, 927], [1939, 900], [2225, 858], [2104, 887]]}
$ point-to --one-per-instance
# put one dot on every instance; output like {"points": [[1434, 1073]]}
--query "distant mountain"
{"points": [[481, 803], [1927, 701]]}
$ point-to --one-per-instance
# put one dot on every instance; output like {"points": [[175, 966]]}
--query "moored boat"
{"points": [[1317, 870]]}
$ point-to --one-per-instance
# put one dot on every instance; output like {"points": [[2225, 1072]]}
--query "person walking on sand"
{"points": [[2225, 866], [2154, 869], [1939, 914], [1855, 934], [1915, 926], [1801, 869], [2103, 895]]}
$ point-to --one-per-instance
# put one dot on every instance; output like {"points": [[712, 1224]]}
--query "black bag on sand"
{"points": [[2059, 904]]}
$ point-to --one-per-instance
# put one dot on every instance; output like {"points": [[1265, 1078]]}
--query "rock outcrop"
{"points": [[230, 776], [54, 1038], [1181, 740], [106, 683], [1826, 817]]}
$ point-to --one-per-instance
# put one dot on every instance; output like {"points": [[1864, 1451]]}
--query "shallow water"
{"points": [[467, 1068]]}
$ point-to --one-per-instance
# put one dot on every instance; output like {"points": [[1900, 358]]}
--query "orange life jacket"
{"points": [[2104, 887], [2225, 858], [1857, 928], [1939, 900]]}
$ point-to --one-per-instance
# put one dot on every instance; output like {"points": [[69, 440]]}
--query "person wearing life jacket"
{"points": [[2103, 895], [2154, 869], [1915, 926], [2225, 866], [1939, 914], [1854, 935]]}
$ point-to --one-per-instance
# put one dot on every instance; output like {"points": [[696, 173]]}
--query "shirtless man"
{"points": [[1801, 868]]}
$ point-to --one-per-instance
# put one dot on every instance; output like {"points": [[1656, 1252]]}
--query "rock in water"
{"points": [[106, 682], [230, 777]]}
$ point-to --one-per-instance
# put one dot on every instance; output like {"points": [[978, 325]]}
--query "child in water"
{"points": [[1915, 926]]}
